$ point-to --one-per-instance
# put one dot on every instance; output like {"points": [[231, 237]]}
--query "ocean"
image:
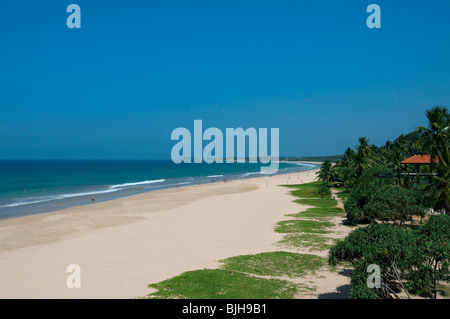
{"points": [[32, 187]]}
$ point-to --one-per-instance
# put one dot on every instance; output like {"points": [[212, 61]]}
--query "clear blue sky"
{"points": [[136, 70]]}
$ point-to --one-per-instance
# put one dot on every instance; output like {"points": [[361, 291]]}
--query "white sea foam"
{"points": [[137, 183], [167, 185], [41, 199], [303, 164], [252, 173], [215, 176]]}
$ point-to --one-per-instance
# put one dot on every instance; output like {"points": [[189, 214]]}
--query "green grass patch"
{"points": [[309, 190], [222, 284], [312, 185], [306, 289], [343, 195], [313, 242], [317, 202], [277, 263], [319, 212], [303, 226]]}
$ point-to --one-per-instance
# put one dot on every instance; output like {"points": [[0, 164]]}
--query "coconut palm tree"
{"points": [[437, 193], [435, 139], [325, 173], [346, 177], [363, 147], [348, 157], [362, 160]]}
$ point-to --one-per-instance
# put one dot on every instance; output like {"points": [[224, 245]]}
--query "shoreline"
{"points": [[47, 206], [307, 162], [125, 244]]}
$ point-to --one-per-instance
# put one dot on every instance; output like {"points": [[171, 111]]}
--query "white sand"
{"points": [[125, 244]]}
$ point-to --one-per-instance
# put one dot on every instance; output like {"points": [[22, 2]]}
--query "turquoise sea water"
{"points": [[31, 187]]}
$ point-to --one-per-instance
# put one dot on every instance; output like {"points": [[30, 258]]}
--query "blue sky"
{"points": [[136, 70]]}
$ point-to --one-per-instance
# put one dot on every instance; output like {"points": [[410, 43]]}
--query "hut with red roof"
{"points": [[418, 161]]}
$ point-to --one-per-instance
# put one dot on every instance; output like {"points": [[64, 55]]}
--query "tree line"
{"points": [[385, 195]]}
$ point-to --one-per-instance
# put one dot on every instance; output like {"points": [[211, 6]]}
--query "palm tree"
{"points": [[347, 177], [348, 158], [363, 146], [435, 139], [362, 160], [438, 192], [381, 155], [325, 174]]}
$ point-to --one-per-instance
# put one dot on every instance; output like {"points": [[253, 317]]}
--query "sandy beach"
{"points": [[125, 244]]}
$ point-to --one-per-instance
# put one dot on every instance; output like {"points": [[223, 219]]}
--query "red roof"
{"points": [[420, 159]]}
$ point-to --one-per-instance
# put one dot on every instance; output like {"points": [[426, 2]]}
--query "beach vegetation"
{"points": [[435, 141], [318, 212], [386, 204], [324, 191], [303, 226], [345, 178], [277, 263], [326, 173], [242, 277], [317, 202], [222, 284], [411, 261], [308, 232], [393, 204], [343, 195], [314, 242], [365, 164], [309, 190], [388, 196]]}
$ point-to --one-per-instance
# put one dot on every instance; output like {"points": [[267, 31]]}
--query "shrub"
{"points": [[412, 261]]}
